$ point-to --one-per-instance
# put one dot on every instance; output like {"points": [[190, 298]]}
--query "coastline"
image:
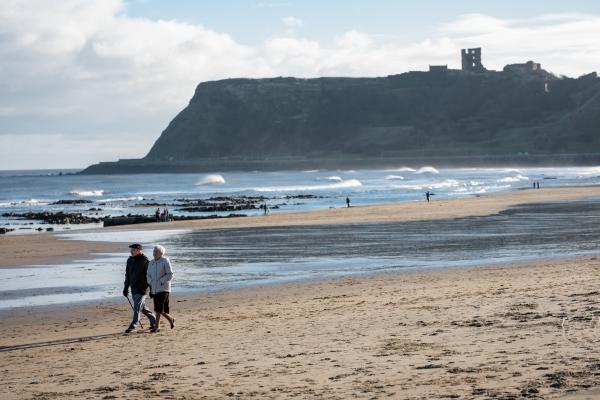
{"points": [[49, 248], [487, 331]]}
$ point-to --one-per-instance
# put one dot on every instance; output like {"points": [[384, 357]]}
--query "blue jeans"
{"points": [[140, 305]]}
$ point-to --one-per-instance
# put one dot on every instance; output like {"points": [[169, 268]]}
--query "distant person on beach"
{"points": [[159, 276], [135, 277], [165, 215], [348, 202], [157, 215], [266, 209], [534, 185], [538, 184], [428, 195]]}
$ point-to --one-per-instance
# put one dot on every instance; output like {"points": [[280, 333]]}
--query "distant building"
{"points": [[471, 60], [438, 68], [527, 67]]}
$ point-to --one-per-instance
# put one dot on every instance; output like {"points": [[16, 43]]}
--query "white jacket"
{"points": [[159, 275]]}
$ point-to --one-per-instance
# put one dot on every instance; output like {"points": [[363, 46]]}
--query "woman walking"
{"points": [[159, 278]]}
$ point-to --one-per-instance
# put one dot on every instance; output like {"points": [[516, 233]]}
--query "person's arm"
{"points": [[126, 283], [168, 272], [149, 278]]}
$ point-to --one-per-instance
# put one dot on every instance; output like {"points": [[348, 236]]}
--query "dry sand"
{"points": [[489, 332], [501, 332], [48, 248]]}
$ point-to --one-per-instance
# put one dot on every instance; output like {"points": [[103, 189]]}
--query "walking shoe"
{"points": [[173, 323], [154, 330], [129, 330]]}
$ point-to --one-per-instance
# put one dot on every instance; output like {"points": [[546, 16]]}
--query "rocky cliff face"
{"points": [[518, 110]]}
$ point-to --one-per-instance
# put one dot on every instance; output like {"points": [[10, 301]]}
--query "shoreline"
{"points": [[49, 248], [186, 294], [485, 331]]}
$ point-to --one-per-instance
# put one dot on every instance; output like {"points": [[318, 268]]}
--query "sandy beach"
{"points": [[50, 249], [524, 331], [527, 330]]}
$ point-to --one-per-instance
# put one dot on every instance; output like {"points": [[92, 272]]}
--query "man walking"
{"points": [[135, 277]]}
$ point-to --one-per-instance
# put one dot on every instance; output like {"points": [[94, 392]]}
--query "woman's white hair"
{"points": [[160, 249]]}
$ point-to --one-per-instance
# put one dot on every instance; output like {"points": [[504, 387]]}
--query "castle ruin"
{"points": [[471, 60]]}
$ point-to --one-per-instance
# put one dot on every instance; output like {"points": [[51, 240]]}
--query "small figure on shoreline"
{"points": [[428, 195], [157, 214], [266, 209], [347, 202], [538, 184]]}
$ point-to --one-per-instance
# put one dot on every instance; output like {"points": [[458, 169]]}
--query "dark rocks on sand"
{"points": [[5, 230], [71, 202], [58, 218]]}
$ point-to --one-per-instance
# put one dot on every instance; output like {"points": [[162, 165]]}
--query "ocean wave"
{"points": [[445, 184], [427, 170], [311, 171], [393, 177], [350, 183], [591, 171], [214, 179], [87, 193], [334, 179], [130, 198], [516, 178], [34, 201], [403, 169]]}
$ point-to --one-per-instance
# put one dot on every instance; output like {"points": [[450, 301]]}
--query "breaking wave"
{"points": [[350, 183], [334, 179], [130, 198], [448, 183], [393, 177], [30, 201], [427, 170], [516, 178], [591, 171], [87, 193], [403, 169], [214, 179]]}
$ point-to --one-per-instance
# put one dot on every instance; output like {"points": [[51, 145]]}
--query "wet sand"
{"points": [[49, 248], [503, 332]]}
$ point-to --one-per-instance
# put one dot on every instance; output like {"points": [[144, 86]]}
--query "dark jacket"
{"points": [[135, 274]]}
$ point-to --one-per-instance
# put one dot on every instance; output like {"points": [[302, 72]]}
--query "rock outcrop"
{"points": [[522, 110]]}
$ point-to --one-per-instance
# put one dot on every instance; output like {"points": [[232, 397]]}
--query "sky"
{"points": [[84, 81]]}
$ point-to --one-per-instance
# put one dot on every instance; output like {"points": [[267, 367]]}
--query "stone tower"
{"points": [[471, 60]]}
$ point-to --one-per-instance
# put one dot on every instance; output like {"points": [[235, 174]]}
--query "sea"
{"points": [[233, 258]]}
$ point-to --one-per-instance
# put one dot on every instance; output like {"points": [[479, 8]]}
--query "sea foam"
{"points": [[350, 183], [445, 184], [87, 193], [516, 178], [393, 178]]}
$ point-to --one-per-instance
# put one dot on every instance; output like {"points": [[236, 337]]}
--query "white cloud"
{"points": [[78, 69], [292, 22]]}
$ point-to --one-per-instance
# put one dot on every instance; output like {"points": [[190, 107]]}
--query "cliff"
{"points": [[522, 111]]}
